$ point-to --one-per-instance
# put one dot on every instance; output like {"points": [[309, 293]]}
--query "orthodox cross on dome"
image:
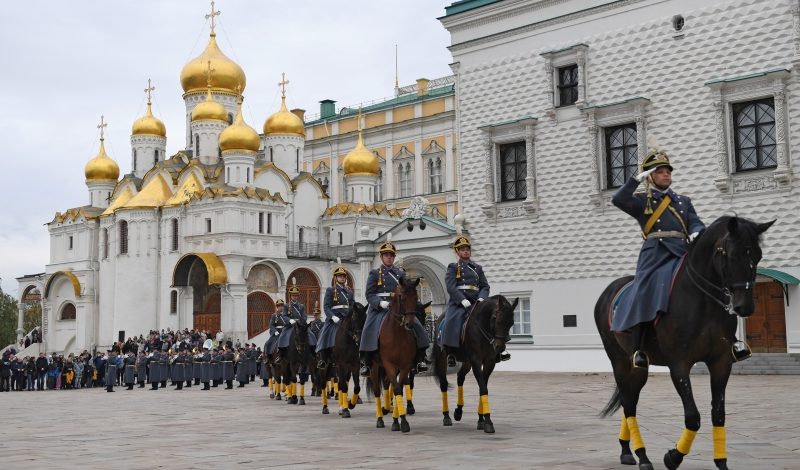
{"points": [[358, 122], [209, 72], [213, 15], [283, 84], [150, 88], [101, 126]]}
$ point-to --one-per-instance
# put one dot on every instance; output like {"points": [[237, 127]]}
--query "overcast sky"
{"points": [[66, 63]]}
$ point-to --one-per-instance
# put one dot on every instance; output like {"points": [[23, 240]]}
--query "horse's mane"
{"points": [[718, 228]]}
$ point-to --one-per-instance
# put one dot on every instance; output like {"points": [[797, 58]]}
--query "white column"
{"points": [[779, 91], [449, 163], [721, 181], [20, 320], [419, 170], [388, 176], [581, 60]]}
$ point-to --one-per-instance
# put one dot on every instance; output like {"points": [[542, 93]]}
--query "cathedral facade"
{"points": [[210, 237]]}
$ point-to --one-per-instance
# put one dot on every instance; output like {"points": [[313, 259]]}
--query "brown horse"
{"points": [[397, 350], [345, 356], [487, 328]]}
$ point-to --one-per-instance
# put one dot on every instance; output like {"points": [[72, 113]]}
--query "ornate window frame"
{"points": [[725, 92], [436, 154], [560, 58], [598, 118], [405, 159], [505, 133]]}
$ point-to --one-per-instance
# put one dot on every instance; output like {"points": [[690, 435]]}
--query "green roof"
{"points": [[780, 276], [466, 5], [392, 103]]}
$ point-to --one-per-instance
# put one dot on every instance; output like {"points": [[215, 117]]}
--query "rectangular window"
{"points": [[105, 243], [208, 225], [622, 159], [522, 317], [513, 169], [70, 242], [340, 238], [123, 237], [269, 223], [174, 234], [173, 302], [260, 222], [567, 85], [754, 134]]}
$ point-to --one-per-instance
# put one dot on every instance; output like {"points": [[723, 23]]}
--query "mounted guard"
{"points": [[337, 303]]}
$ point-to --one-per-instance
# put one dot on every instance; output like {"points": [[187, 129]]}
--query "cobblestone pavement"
{"points": [[542, 421]]}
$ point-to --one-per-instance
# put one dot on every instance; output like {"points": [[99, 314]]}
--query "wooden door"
{"points": [[260, 308], [309, 288], [766, 328], [209, 318]]}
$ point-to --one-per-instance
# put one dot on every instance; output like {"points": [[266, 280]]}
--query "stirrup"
{"points": [[640, 359], [322, 364], [364, 372], [505, 355], [451, 360], [740, 351], [422, 367]]}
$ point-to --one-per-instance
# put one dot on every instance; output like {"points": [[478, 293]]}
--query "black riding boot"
{"points": [[421, 366], [640, 358], [366, 362]]}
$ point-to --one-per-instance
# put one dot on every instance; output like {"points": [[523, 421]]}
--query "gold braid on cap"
{"points": [[648, 205]]}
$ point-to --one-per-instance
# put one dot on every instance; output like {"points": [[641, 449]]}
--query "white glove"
{"points": [[480, 299], [335, 319], [309, 320], [384, 304], [277, 333], [643, 175], [292, 321], [466, 303], [692, 236]]}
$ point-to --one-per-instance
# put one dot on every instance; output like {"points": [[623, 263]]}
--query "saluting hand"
{"points": [[643, 175]]}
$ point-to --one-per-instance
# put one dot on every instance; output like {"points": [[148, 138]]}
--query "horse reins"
{"points": [[724, 290]]}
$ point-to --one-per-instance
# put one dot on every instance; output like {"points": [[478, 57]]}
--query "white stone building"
{"points": [[558, 99]]}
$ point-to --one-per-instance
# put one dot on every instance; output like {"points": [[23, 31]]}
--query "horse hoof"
{"points": [[325, 410], [447, 421], [646, 466], [395, 425], [302, 401], [277, 396], [722, 464], [404, 426], [673, 459], [481, 425], [272, 395], [351, 405], [410, 408], [457, 413], [345, 413], [488, 427], [627, 459], [359, 402], [380, 423]]}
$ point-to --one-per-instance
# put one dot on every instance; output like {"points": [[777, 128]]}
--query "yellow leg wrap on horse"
{"points": [[354, 399], [409, 393], [480, 407], [624, 432], [325, 398], [269, 382], [684, 444], [636, 437], [400, 404], [395, 411], [342, 400], [460, 401], [387, 399], [485, 405], [336, 387], [294, 389], [302, 390], [718, 434], [283, 388], [378, 409], [445, 408]]}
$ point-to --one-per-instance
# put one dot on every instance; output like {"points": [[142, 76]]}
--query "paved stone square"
{"points": [[542, 421]]}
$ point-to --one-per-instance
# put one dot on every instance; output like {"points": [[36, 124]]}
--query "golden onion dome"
{"points": [[360, 161], [227, 73], [149, 125], [101, 167], [284, 122], [209, 109], [239, 136]]}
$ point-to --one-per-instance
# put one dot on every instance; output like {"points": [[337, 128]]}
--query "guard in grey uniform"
{"points": [[111, 370], [141, 369], [130, 370]]}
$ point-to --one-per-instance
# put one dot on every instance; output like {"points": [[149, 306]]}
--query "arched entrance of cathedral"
{"points": [[308, 284], [204, 273], [260, 308], [432, 285]]}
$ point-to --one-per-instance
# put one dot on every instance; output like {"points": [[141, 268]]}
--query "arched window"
{"points": [[155, 156], [405, 180], [68, 312], [134, 160], [435, 175], [379, 186], [248, 175], [197, 145], [123, 237], [105, 243], [270, 154], [227, 175], [230, 119], [300, 238], [173, 302], [174, 234]]}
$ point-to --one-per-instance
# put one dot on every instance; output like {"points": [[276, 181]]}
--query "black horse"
{"points": [[298, 357], [712, 286], [345, 357], [485, 336]]}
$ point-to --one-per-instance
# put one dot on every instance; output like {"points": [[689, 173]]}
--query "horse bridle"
{"points": [[352, 329], [490, 336], [727, 288], [401, 317]]}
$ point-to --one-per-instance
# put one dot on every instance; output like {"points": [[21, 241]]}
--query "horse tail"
{"points": [[613, 404]]}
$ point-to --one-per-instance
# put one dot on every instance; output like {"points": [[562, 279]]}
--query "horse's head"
{"points": [[421, 308], [358, 315], [502, 320], [405, 301], [735, 252]]}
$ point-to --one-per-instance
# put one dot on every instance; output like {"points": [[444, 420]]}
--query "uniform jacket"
{"points": [[464, 280]]}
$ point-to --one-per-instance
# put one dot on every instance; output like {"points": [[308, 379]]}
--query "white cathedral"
{"points": [[212, 236]]}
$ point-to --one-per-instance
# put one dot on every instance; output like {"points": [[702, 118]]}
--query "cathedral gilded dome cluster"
{"points": [[360, 161], [101, 167], [239, 136], [228, 75], [284, 122]]}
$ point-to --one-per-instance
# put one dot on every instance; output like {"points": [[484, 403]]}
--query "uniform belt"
{"points": [[468, 288], [667, 234], [337, 307], [386, 294], [227, 362]]}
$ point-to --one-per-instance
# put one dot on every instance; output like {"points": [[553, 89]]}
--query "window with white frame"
{"points": [[433, 160], [621, 149], [565, 76], [405, 179], [379, 186], [513, 169], [751, 124], [522, 317]]}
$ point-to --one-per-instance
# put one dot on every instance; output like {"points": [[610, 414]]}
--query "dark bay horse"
{"points": [[345, 356], [298, 357], [485, 336], [397, 350], [713, 285]]}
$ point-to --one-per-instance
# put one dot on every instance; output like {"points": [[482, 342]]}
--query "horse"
{"points": [[711, 287], [345, 356], [397, 350], [487, 328], [298, 357]]}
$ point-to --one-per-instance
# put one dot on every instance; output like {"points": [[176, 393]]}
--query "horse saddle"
{"points": [[625, 290]]}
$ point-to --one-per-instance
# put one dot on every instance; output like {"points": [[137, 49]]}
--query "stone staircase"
{"points": [[762, 364]]}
